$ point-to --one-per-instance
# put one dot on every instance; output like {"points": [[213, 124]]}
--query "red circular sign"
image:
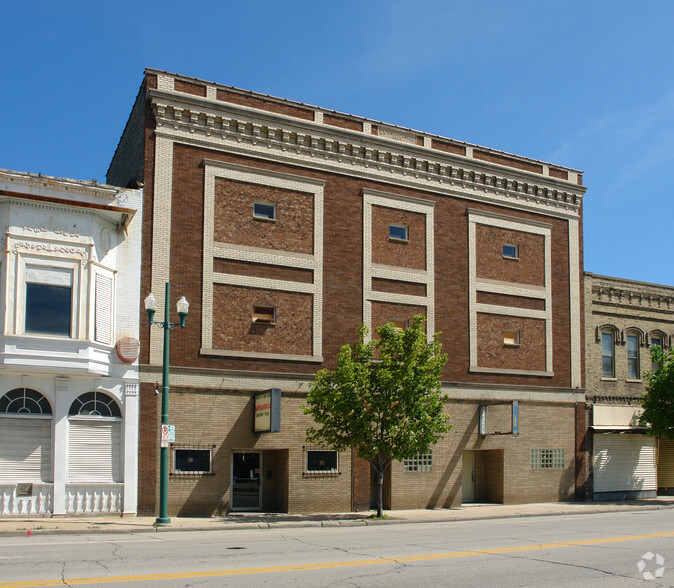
{"points": [[128, 349]]}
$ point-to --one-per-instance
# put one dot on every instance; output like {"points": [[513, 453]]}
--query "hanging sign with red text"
{"points": [[267, 415]]}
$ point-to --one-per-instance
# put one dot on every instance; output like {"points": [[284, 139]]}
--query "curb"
{"points": [[93, 529]]}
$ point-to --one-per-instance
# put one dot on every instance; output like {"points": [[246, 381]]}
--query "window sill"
{"points": [[264, 220], [605, 379], [511, 258], [512, 345], [634, 380], [394, 240]]}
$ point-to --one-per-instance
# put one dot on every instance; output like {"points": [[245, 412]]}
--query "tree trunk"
{"points": [[380, 464], [380, 492]]}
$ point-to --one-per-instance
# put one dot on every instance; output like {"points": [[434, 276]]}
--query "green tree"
{"points": [[384, 398], [658, 402]]}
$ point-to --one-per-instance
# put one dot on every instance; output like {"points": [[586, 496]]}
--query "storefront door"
{"points": [[246, 481]]}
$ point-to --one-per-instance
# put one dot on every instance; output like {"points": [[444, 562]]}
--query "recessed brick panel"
{"points": [[385, 251], [385, 312], [528, 269], [233, 329], [513, 301], [492, 353], [396, 287], [341, 122], [292, 230], [262, 104], [190, 88], [262, 270]]}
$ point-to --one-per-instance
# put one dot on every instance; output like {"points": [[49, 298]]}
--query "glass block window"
{"points": [[546, 459], [422, 462]]}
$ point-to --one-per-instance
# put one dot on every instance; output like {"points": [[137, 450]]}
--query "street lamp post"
{"points": [[151, 307]]}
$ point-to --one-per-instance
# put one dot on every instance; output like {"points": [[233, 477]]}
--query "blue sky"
{"points": [[586, 84]]}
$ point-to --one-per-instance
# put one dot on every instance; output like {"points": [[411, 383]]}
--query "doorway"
{"points": [[468, 477], [246, 481]]}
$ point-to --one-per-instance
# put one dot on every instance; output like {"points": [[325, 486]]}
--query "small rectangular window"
{"points": [[511, 337], [264, 210], [510, 251], [546, 459], [264, 314], [422, 462], [398, 233], [192, 461], [400, 323], [320, 461]]}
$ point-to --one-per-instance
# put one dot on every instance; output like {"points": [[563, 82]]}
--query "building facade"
{"points": [[624, 319], [69, 309], [287, 226]]}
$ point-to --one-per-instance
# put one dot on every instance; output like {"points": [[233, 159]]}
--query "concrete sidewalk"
{"points": [[97, 524]]}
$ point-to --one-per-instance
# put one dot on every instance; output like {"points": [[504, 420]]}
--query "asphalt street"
{"points": [[607, 549]]}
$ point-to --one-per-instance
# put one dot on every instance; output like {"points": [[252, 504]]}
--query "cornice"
{"points": [[276, 137], [38, 183]]}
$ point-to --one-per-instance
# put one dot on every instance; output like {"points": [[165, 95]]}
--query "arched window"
{"points": [[25, 437], [24, 401], [607, 335], [94, 404]]}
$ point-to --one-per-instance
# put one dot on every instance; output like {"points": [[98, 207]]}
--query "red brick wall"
{"points": [[263, 270], [262, 104], [343, 246], [384, 312], [514, 301], [528, 269], [396, 287], [411, 254], [293, 229], [491, 352], [233, 329]]}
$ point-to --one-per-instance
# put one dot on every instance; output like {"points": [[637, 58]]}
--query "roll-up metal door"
{"points": [[624, 462], [94, 451], [666, 463], [25, 449]]}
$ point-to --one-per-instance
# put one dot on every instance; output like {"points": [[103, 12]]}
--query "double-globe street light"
{"points": [[151, 308]]}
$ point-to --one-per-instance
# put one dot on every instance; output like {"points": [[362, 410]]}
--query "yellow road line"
{"points": [[325, 565]]}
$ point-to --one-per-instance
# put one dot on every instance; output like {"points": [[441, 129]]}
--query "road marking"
{"points": [[325, 565]]}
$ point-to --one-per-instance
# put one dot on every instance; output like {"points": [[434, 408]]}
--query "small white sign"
{"points": [[164, 436], [172, 433]]}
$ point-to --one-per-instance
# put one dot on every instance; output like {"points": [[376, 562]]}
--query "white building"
{"points": [[69, 310]]}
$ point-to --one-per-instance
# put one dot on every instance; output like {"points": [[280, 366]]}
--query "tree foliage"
{"points": [[658, 402], [384, 398]]}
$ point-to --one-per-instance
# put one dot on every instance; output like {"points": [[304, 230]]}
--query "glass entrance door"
{"points": [[246, 481]]}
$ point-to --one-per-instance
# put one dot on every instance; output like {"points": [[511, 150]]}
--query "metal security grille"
{"points": [[422, 462], [545, 459]]}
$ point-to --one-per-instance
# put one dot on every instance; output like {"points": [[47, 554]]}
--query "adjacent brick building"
{"points": [[287, 226], [624, 318]]}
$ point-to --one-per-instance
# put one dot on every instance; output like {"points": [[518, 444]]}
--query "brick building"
{"points": [[287, 226], [69, 379], [623, 319]]}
